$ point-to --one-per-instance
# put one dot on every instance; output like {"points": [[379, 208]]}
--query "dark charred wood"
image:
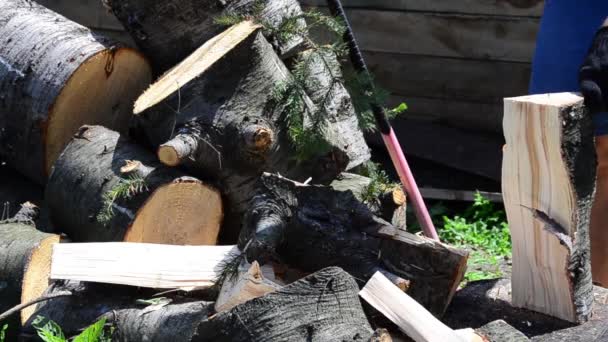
{"points": [[168, 31], [312, 227], [321, 307], [131, 319]]}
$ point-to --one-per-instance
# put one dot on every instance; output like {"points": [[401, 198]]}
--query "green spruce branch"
{"points": [[380, 182], [124, 189]]}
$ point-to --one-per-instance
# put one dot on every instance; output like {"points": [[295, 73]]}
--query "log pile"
{"points": [[222, 203]]}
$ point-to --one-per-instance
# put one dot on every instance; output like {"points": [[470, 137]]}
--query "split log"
{"points": [[215, 114], [248, 284], [55, 76], [25, 262], [390, 205], [312, 227], [548, 186], [406, 313], [163, 266], [321, 307], [165, 205], [169, 31], [132, 321]]}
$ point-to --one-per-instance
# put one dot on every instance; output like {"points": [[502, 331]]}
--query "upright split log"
{"points": [[169, 31], [55, 76], [312, 227], [25, 263], [321, 307], [132, 321], [165, 207], [215, 114], [548, 186]]}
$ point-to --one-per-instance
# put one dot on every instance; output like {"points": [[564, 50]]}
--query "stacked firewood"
{"points": [[246, 145]]}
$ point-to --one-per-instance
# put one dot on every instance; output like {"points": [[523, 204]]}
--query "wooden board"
{"points": [[548, 185], [448, 78], [138, 264], [528, 8], [445, 34], [411, 317]]}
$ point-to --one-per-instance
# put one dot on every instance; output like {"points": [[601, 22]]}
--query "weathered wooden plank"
{"points": [[440, 77], [474, 153], [85, 12], [531, 8], [467, 115], [444, 34]]}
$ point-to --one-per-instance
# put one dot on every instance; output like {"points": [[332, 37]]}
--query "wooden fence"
{"points": [[451, 61]]}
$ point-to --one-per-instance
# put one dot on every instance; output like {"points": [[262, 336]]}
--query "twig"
{"points": [[22, 306]]}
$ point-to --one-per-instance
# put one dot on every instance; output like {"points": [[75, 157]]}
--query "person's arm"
{"points": [[593, 74]]}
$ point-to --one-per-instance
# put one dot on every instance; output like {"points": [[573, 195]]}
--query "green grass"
{"points": [[49, 331], [482, 229]]}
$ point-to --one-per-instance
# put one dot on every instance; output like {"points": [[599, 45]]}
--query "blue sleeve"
{"points": [[566, 31]]}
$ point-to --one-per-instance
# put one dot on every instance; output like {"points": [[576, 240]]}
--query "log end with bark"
{"points": [[549, 171], [105, 188], [56, 76], [25, 262], [312, 227]]}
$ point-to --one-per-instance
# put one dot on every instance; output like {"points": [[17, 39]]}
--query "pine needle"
{"points": [[124, 189]]}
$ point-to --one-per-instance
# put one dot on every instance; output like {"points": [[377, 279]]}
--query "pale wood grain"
{"points": [[138, 264], [411, 317]]}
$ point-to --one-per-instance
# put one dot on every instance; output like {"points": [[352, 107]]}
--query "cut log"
{"points": [[142, 265], [216, 115], [406, 313], [321, 307], [498, 331], [55, 76], [175, 321], [165, 205], [312, 227], [248, 284], [390, 205], [25, 262], [548, 186], [169, 31]]}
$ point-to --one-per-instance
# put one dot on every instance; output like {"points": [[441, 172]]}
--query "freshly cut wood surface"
{"points": [[165, 205], [411, 317], [143, 265], [532, 8], [25, 259], [195, 64], [55, 76], [548, 186], [250, 283]]}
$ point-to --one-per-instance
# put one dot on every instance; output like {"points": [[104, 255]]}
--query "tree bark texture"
{"points": [[24, 263], [312, 227], [321, 307], [168, 31], [325, 87], [231, 131], [93, 164], [390, 205], [132, 320], [41, 56]]}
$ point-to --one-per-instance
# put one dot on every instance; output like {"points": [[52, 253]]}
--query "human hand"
{"points": [[593, 75]]}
